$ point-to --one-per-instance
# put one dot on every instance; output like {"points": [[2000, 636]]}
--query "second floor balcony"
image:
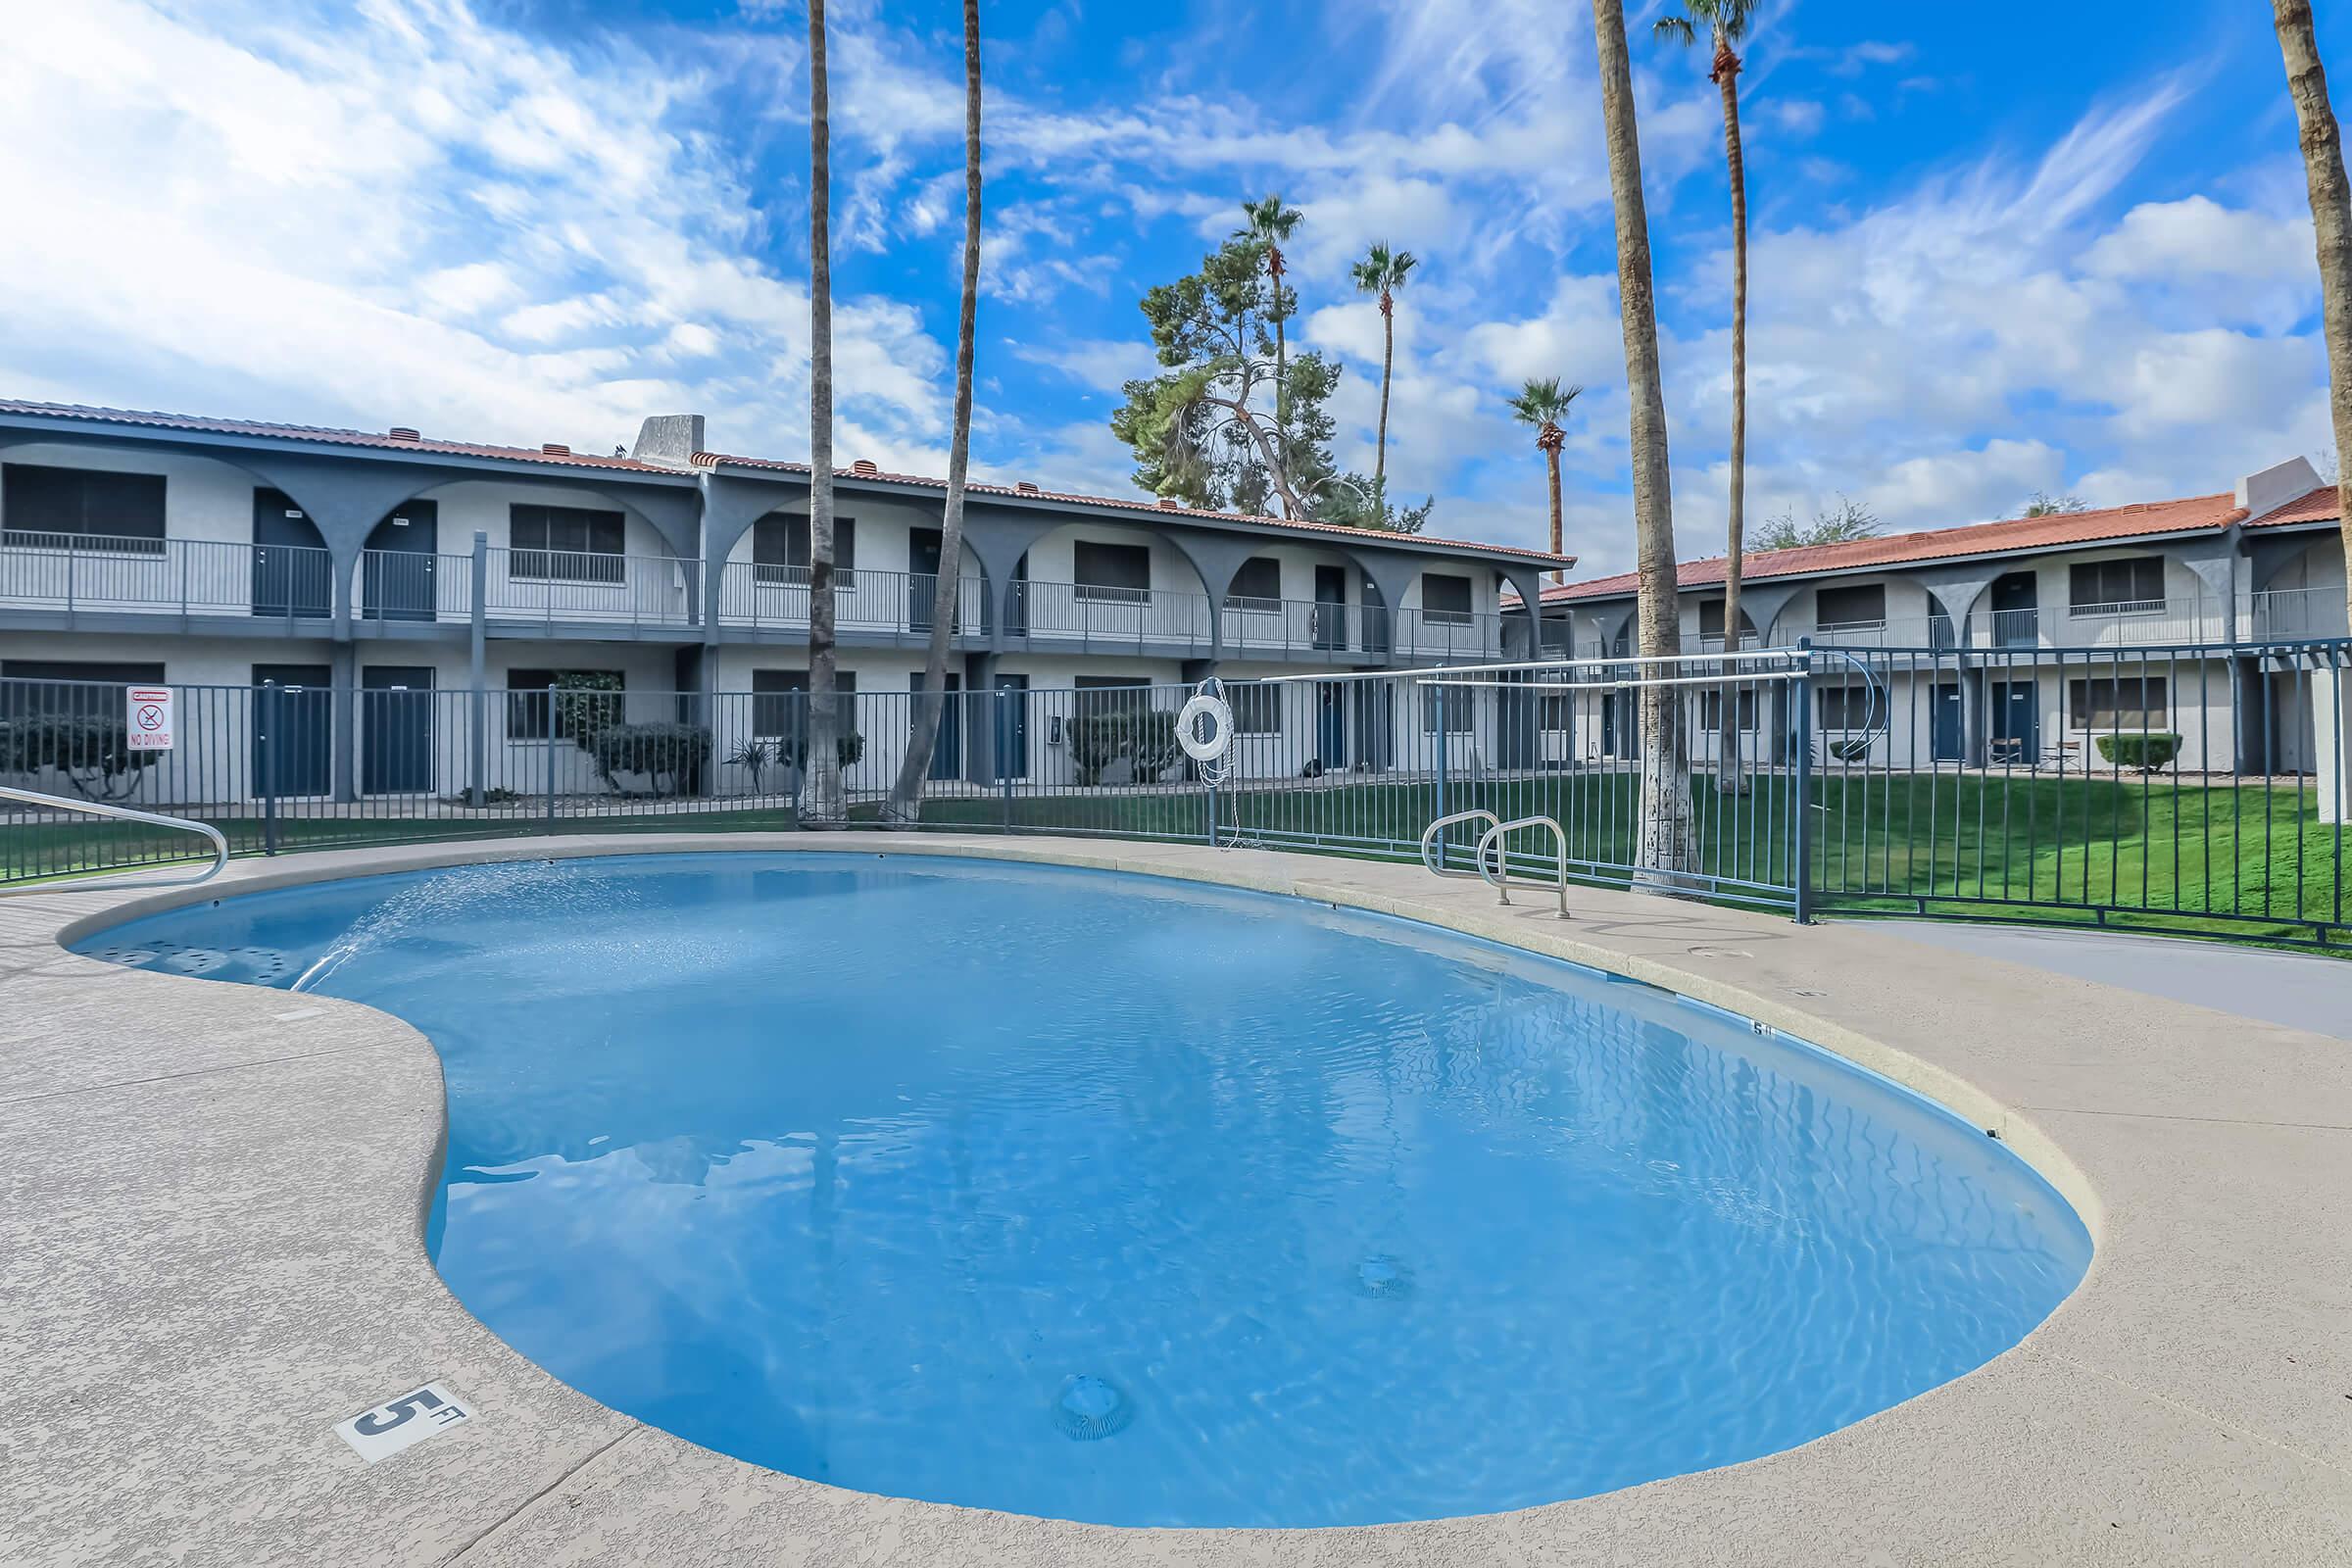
{"points": [[95, 581]]}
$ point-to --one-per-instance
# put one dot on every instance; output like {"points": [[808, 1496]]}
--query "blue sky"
{"points": [[1997, 249]]}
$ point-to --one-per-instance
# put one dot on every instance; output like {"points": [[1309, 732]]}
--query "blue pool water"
{"points": [[1122, 1199]]}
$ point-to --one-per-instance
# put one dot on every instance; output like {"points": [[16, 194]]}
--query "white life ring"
{"points": [[1205, 748]]}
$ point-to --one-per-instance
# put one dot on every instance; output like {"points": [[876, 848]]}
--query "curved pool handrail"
{"points": [[1433, 857], [65, 803], [1501, 881]]}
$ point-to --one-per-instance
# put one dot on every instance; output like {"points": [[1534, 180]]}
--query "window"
{"points": [[1256, 707], [1457, 704], [1710, 620], [1711, 711], [1552, 711], [1445, 599], [1861, 605], [780, 550], [564, 544], [1852, 708], [24, 696], [2134, 703], [780, 701], [83, 509], [1256, 586], [594, 701], [1117, 573], [2135, 583]]}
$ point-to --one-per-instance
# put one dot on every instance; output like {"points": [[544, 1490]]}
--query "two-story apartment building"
{"points": [[361, 570], [2017, 642]]}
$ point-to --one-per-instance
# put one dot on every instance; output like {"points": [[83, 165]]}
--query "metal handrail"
{"points": [[1501, 882], [1435, 865], [125, 813]]}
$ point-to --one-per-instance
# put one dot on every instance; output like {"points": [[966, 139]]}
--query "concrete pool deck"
{"points": [[211, 1253]]}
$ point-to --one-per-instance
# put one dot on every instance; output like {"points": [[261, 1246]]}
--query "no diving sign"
{"points": [[148, 720], [395, 1424]]}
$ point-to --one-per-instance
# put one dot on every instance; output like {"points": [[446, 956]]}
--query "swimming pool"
{"points": [[1133, 1200]]}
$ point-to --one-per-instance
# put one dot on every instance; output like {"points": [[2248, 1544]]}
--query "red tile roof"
{"points": [[385, 441], [327, 435], [2189, 515], [1151, 509]]}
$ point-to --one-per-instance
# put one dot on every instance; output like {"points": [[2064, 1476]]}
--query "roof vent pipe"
{"points": [[401, 432], [865, 465], [556, 449], [1026, 488], [1167, 502]]}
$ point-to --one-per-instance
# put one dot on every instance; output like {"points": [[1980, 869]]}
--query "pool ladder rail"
{"points": [[63, 803], [1495, 873]]}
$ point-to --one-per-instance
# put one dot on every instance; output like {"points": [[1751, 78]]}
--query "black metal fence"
{"points": [[2185, 788]]}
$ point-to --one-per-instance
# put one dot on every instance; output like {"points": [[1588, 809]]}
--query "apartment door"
{"points": [[302, 739], [290, 573], [1375, 723], [2013, 610], [2016, 721], [1944, 722], [947, 753], [402, 552], [1331, 725], [396, 729], [1331, 611], [1012, 718], [922, 579]]}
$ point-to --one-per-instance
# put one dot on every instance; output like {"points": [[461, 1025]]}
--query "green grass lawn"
{"points": [[2249, 860]]}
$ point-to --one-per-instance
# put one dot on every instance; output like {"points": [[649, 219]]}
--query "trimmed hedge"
{"points": [[93, 752], [2149, 752], [672, 756]]}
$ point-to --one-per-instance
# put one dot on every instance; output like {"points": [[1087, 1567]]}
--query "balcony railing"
{"points": [[99, 574], [2296, 612], [590, 588], [1083, 616], [759, 595]]}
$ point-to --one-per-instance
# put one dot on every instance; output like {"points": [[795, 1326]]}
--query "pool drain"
{"points": [[1090, 1409], [1383, 1278]]}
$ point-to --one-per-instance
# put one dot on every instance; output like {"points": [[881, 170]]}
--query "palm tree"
{"points": [[1382, 272], [1725, 22], [2332, 227], [905, 803], [1269, 224], [822, 800], [1668, 843], [1545, 404]]}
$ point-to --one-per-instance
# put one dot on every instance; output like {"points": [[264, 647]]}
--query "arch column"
{"points": [[998, 540], [1217, 560]]}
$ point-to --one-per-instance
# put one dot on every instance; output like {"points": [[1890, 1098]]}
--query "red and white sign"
{"points": [[149, 718]]}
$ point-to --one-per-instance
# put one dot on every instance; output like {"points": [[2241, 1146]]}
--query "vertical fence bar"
{"points": [[1802, 749], [271, 727]]}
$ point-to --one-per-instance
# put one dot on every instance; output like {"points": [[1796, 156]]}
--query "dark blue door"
{"points": [[300, 743], [2016, 721], [947, 753], [1946, 723], [1011, 720], [397, 572], [1331, 726], [290, 574], [396, 729]]}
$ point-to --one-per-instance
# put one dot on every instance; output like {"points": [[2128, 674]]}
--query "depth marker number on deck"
{"points": [[396, 1424]]}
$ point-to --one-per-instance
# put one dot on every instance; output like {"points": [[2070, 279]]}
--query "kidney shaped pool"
{"points": [[1127, 1199]]}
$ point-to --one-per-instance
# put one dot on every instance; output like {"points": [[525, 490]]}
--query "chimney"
{"points": [[1026, 488], [2274, 487], [401, 432], [555, 449], [670, 440], [865, 465], [1167, 502]]}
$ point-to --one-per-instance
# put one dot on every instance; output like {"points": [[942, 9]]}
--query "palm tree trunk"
{"points": [[1667, 844], [1552, 478], [906, 805], [822, 800], [1380, 450], [1729, 777], [2331, 227]]}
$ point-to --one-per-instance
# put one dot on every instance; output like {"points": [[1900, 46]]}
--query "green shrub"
{"points": [[850, 748], [588, 702], [2149, 752], [1151, 743], [94, 754], [1097, 740], [672, 756]]}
